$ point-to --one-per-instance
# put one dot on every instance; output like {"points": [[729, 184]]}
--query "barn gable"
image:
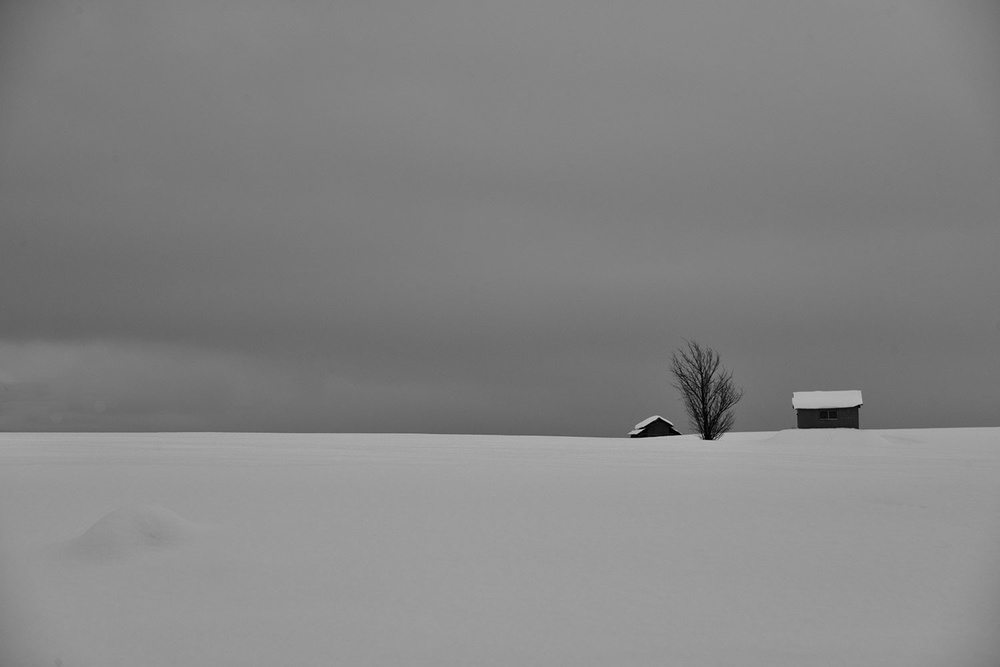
{"points": [[653, 427]]}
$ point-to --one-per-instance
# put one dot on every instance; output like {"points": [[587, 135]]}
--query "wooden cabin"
{"points": [[653, 427], [827, 409]]}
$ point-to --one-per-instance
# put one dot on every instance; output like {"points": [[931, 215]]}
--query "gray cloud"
{"points": [[498, 217]]}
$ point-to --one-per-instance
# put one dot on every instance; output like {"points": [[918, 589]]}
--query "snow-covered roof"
{"points": [[646, 422], [822, 400]]}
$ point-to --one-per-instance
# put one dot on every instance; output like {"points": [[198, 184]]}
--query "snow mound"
{"points": [[828, 436], [132, 530]]}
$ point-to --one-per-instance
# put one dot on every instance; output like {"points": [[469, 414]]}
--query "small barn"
{"points": [[827, 409], [653, 427]]}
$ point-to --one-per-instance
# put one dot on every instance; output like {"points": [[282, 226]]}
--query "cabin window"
{"points": [[828, 415]]}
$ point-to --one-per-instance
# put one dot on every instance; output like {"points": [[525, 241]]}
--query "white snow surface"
{"points": [[797, 548], [821, 400]]}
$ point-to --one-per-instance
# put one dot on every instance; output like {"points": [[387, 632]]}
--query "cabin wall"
{"points": [[846, 418]]}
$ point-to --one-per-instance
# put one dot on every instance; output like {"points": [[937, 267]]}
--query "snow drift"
{"points": [[130, 531]]}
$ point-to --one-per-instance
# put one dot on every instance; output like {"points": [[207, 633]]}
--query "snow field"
{"points": [[791, 548]]}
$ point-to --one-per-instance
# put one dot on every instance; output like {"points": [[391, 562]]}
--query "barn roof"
{"points": [[646, 422], [821, 400]]}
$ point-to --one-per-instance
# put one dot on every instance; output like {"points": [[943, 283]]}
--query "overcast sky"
{"points": [[494, 216]]}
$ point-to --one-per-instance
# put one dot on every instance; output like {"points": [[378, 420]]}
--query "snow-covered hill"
{"points": [[793, 548]]}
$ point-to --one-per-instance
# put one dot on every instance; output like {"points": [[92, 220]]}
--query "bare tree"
{"points": [[707, 389]]}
